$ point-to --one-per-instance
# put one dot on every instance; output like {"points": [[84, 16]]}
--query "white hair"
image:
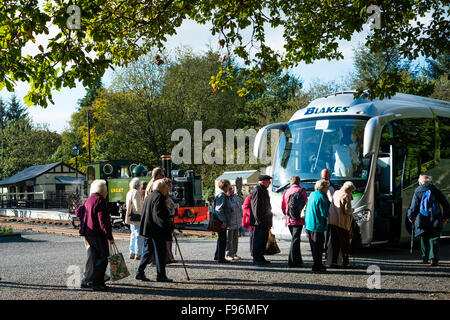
{"points": [[423, 178], [348, 186], [97, 186], [158, 185], [135, 183], [321, 184]]}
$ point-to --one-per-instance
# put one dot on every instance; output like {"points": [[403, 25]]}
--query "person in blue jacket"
{"points": [[428, 227], [222, 211], [316, 215]]}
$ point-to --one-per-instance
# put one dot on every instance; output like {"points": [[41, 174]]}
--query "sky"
{"points": [[198, 38]]}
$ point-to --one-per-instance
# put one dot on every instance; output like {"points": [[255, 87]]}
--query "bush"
{"points": [[5, 230]]}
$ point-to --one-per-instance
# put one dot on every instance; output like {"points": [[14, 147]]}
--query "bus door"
{"points": [[387, 197]]}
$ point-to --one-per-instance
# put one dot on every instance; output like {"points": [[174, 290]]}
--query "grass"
{"points": [[5, 230]]}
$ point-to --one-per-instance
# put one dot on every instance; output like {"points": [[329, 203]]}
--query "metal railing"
{"points": [[26, 200]]}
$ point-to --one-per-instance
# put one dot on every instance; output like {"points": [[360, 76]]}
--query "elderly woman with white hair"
{"points": [[316, 215], [133, 218], [340, 222], [156, 228], [95, 226]]}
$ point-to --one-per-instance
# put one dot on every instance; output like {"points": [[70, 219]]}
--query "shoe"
{"points": [[86, 285], [107, 278], [229, 258], [261, 263], [347, 266], [434, 263], [142, 278], [132, 255], [425, 260], [237, 258], [99, 288], [137, 257], [223, 261], [164, 280], [297, 265], [319, 271], [171, 261]]}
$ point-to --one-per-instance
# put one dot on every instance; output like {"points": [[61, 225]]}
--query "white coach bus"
{"points": [[381, 146]]}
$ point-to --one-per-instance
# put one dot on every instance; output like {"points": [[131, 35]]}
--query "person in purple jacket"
{"points": [[95, 227]]}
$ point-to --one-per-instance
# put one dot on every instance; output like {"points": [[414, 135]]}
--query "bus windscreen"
{"points": [[308, 146]]}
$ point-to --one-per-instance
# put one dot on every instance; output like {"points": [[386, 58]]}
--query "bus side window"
{"points": [[417, 138], [444, 137]]}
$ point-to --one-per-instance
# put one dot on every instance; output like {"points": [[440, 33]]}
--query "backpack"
{"points": [[429, 206], [296, 203]]}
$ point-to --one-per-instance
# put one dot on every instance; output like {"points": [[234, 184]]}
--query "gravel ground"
{"points": [[35, 267]]}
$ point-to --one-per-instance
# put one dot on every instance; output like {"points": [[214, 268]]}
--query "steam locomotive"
{"points": [[187, 188]]}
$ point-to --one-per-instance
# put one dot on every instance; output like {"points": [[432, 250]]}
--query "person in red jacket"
{"points": [[293, 221], [95, 226], [246, 213]]}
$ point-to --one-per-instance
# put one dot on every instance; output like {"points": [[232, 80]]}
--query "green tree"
{"points": [[3, 110], [15, 111], [26, 145], [438, 67], [116, 32], [382, 69], [442, 88]]}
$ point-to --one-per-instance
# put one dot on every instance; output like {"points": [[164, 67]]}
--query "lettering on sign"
{"points": [[314, 110]]}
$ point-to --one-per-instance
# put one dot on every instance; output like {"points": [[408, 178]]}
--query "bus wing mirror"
{"points": [[259, 147], [372, 132]]}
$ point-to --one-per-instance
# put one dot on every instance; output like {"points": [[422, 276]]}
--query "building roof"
{"points": [[70, 180], [29, 173], [232, 175]]}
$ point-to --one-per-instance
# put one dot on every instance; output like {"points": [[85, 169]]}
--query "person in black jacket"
{"points": [[261, 219], [157, 228], [428, 228]]}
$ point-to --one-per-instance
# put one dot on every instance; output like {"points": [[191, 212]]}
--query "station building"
{"points": [[249, 180], [44, 186]]}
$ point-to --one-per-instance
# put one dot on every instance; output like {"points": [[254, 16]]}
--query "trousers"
{"points": [[99, 251], [159, 248], [260, 237], [316, 241], [295, 255]]}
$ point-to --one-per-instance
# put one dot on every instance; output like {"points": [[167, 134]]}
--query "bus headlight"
{"points": [[362, 215]]}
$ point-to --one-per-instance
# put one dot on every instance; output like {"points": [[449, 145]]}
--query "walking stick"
{"points": [[182, 260], [412, 240]]}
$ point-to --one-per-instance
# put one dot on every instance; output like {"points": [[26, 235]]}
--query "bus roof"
{"points": [[344, 104]]}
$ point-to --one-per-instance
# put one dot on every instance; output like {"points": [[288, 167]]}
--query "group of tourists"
{"points": [[326, 215], [149, 213], [325, 211]]}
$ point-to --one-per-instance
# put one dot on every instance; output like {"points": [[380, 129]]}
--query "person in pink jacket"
{"points": [[246, 213], [294, 200]]}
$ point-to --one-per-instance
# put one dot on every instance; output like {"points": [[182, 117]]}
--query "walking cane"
{"points": [[412, 240], [182, 260]]}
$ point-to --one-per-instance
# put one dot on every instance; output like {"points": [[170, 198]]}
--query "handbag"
{"points": [[118, 267], [271, 245], [214, 224], [135, 217]]}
